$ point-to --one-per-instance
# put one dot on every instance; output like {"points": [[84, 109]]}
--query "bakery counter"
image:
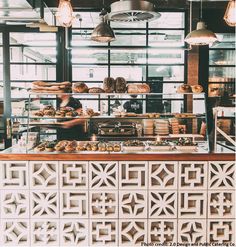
{"points": [[11, 154]]}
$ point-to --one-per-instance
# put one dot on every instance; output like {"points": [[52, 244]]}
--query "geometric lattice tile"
{"points": [[14, 175], [74, 204], [74, 232], [103, 204], [43, 175], [162, 231], [44, 204], [163, 175], [133, 204], [15, 232], [133, 175], [192, 175], [162, 205], [44, 233], [103, 175], [221, 204], [14, 204], [221, 231], [221, 175], [73, 175], [132, 232], [192, 204], [192, 231], [104, 233]]}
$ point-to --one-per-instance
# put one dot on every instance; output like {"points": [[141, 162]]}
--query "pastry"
{"points": [[39, 113], [96, 90], [40, 147], [197, 88], [71, 114], [49, 113], [117, 147], [50, 146], [137, 88], [185, 88], [120, 85], [109, 147], [109, 85], [61, 145], [80, 87], [71, 146]]}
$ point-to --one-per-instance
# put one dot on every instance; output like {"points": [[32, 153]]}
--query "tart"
{"points": [[71, 146]]}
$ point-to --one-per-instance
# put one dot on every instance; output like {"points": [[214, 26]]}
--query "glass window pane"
{"points": [[221, 74], [128, 56], [168, 19], [130, 73], [222, 57], [225, 40], [89, 56], [33, 54], [33, 72], [165, 56], [33, 39], [89, 73], [163, 38], [168, 73], [129, 38]]}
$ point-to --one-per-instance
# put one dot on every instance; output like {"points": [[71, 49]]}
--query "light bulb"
{"points": [[65, 13], [230, 13]]}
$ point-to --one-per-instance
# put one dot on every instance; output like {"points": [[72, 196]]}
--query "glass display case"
{"points": [[115, 120]]}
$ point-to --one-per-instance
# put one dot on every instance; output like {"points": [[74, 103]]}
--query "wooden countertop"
{"points": [[120, 157]]}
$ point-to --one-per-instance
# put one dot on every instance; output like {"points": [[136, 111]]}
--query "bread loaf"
{"points": [[185, 88], [197, 88], [96, 90], [109, 85], [136, 88], [80, 87], [120, 85]]}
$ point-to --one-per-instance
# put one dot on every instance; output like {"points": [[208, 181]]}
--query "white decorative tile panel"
{"points": [[192, 175], [162, 205], [74, 232], [74, 204], [44, 204], [133, 204], [126, 203], [15, 233], [132, 232], [162, 231], [133, 175], [192, 231], [192, 204], [221, 175], [221, 231], [14, 204], [103, 175], [104, 233], [163, 175], [221, 204], [103, 204], [44, 233], [14, 175], [43, 175], [73, 175]]}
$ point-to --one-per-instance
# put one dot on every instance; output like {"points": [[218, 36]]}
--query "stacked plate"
{"points": [[161, 127], [148, 126], [174, 125]]}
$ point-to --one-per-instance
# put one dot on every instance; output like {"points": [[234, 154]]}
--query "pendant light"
{"points": [[201, 36], [103, 32], [64, 14], [230, 13]]}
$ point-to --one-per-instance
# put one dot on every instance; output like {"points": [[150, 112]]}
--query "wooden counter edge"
{"points": [[120, 157]]}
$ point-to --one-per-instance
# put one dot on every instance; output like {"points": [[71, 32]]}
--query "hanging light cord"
{"points": [[201, 12]]}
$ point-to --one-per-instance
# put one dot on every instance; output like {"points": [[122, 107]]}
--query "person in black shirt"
{"points": [[72, 129], [133, 105]]}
